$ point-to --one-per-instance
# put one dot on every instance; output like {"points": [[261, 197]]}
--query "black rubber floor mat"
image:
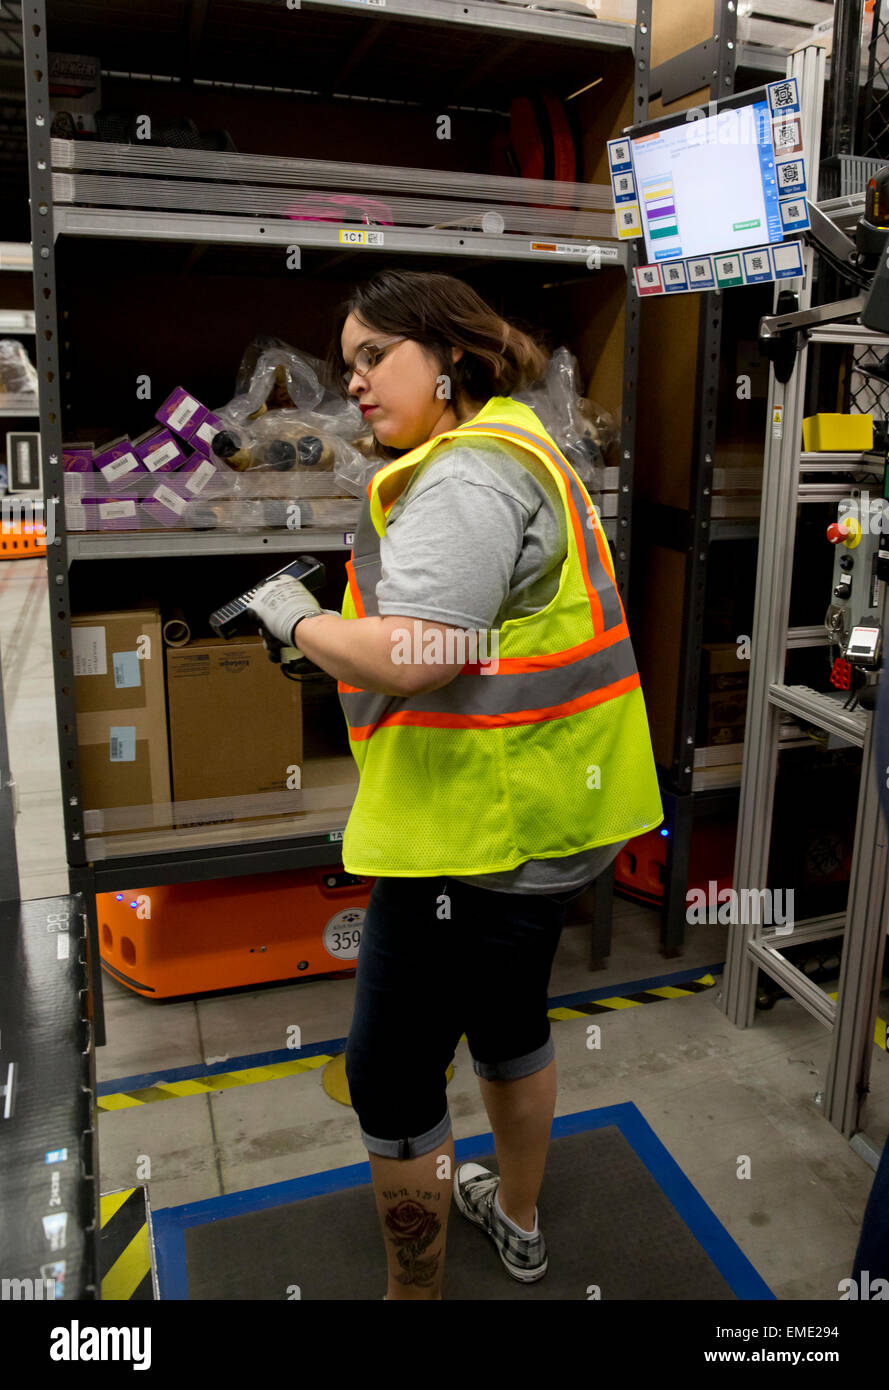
{"points": [[608, 1227]]}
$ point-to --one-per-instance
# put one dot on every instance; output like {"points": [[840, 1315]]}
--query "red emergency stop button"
{"points": [[837, 531]]}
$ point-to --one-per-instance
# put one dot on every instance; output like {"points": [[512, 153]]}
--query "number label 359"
{"points": [[342, 934]]}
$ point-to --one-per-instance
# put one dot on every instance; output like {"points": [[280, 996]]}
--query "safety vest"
{"points": [[537, 754]]}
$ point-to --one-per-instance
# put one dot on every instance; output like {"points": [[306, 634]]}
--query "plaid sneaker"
{"points": [[474, 1191]]}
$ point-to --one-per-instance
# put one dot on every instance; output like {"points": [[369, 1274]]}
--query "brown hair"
{"points": [[441, 313]]}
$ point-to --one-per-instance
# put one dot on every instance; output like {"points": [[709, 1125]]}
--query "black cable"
{"points": [[844, 269], [305, 676]]}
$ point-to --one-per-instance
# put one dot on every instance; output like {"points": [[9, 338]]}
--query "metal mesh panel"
{"points": [[875, 124], [869, 395], [845, 174]]}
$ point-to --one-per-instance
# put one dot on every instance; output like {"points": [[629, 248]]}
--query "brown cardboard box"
{"points": [[121, 711], [235, 725], [727, 717], [726, 678], [723, 668]]}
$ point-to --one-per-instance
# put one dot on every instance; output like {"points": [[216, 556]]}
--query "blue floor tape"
{"points": [[142, 1080]]}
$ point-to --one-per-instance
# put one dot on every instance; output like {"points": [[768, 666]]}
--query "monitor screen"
{"points": [[708, 185]]}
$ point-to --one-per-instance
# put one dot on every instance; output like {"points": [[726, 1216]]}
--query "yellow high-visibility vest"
{"points": [[538, 749]]}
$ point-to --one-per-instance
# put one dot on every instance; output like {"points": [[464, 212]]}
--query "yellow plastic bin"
{"points": [[837, 434]]}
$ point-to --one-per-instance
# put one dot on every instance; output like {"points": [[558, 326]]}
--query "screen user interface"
{"points": [[708, 185]]}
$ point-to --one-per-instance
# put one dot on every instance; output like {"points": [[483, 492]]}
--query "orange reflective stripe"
{"points": [[514, 432], [418, 718], [354, 589], [517, 665], [596, 614]]}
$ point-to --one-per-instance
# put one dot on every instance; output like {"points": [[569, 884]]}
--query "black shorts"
{"points": [[423, 979]]}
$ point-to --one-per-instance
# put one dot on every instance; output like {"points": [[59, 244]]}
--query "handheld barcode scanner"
{"points": [[235, 617]]}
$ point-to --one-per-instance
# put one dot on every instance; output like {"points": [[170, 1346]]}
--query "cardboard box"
{"points": [[235, 725], [728, 708], [723, 668], [75, 94], [121, 710]]}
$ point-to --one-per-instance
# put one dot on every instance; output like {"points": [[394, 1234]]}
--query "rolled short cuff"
{"points": [[518, 1066], [409, 1147]]}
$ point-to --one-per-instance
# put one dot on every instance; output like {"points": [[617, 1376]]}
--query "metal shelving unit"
{"points": [[692, 76], [773, 696], [852, 1018], [691, 785], [223, 40]]}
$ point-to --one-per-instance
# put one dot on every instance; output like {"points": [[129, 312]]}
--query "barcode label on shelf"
{"points": [[348, 538], [357, 236], [573, 248]]}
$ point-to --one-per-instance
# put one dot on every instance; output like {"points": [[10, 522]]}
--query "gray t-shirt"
{"points": [[479, 536]]}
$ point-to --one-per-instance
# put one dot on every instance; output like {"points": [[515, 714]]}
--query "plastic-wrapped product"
{"points": [[283, 417], [238, 514], [583, 430], [18, 376]]}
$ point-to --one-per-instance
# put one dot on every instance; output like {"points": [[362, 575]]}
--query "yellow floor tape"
{"points": [[334, 1076], [124, 1218]]}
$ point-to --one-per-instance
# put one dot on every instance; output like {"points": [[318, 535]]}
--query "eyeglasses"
{"points": [[367, 357]]}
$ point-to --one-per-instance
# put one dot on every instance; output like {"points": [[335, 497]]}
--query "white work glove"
{"points": [[280, 603]]}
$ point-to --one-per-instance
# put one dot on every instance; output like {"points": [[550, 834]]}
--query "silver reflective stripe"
{"points": [[366, 561], [367, 543], [501, 693], [498, 693]]}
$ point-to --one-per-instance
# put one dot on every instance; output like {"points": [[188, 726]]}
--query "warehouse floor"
{"points": [[711, 1092]]}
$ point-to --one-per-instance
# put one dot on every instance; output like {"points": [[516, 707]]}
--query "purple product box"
{"points": [[158, 451], [197, 474], [75, 517], [169, 501], [117, 514], [166, 504], [118, 463], [206, 432], [181, 412], [77, 458]]}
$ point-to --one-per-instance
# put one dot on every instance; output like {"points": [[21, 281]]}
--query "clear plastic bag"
{"points": [[583, 430], [18, 376], [246, 514], [272, 375], [283, 418]]}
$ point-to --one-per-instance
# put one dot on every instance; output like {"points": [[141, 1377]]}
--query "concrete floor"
{"points": [[710, 1091]]}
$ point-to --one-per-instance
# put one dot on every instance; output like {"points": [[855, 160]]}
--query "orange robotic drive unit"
{"points": [[640, 868], [22, 540], [189, 938]]}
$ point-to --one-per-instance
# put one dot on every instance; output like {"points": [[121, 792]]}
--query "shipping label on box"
{"points": [[119, 693]]}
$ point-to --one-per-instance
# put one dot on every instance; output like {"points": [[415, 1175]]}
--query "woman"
{"points": [[492, 791]]}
